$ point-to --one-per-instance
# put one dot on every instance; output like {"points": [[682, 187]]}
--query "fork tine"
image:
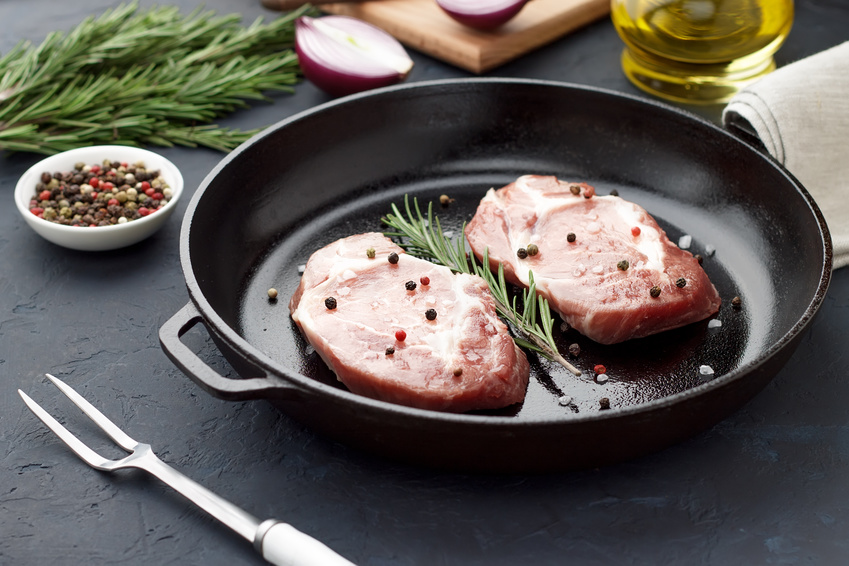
{"points": [[88, 455], [119, 436]]}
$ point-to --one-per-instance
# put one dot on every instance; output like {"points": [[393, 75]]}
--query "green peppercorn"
{"points": [[430, 314], [570, 237], [393, 258], [370, 253], [654, 291], [681, 282], [522, 253], [623, 265], [330, 303], [533, 249]]}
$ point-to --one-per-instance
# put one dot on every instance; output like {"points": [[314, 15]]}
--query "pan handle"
{"points": [[209, 379]]}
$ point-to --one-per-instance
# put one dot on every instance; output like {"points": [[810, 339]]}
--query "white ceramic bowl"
{"points": [[101, 237]]}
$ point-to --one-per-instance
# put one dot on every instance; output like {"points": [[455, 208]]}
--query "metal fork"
{"points": [[277, 542]]}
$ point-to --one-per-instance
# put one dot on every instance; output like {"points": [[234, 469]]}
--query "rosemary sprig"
{"points": [[139, 77], [424, 238]]}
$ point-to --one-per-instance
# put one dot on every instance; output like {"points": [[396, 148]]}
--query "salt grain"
{"points": [[710, 250], [343, 291], [601, 378], [565, 400], [302, 268], [714, 323], [347, 275], [705, 370], [685, 241], [598, 270], [309, 350]]}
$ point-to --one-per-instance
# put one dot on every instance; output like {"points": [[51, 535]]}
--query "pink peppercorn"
{"points": [[425, 280], [112, 201], [144, 211], [599, 369], [400, 335], [94, 182], [635, 231], [45, 195], [145, 185], [157, 196]]}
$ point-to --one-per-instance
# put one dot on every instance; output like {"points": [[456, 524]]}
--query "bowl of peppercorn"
{"points": [[100, 197]]}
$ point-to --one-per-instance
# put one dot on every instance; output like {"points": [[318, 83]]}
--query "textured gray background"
{"points": [[766, 486]]}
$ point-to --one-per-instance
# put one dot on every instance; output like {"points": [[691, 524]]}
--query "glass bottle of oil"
{"points": [[699, 51]]}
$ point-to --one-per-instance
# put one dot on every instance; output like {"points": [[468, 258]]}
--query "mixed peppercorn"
{"points": [[99, 195]]}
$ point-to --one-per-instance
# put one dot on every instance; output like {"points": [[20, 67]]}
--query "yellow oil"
{"points": [[699, 51]]}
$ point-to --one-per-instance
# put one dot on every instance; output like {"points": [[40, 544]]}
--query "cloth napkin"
{"points": [[800, 113]]}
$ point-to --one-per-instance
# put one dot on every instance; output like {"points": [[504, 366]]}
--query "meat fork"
{"points": [[277, 542]]}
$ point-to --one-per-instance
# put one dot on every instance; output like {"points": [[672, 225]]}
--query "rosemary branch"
{"points": [[424, 238], [139, 77]]}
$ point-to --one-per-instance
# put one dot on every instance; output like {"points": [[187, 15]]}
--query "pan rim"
{"points": [[291, 378]]}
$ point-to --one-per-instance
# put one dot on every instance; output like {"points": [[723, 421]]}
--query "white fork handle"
{"points": [[279, 543], [284, 545]]}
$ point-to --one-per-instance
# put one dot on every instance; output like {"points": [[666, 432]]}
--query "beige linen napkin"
{"points": [[800, 113]]}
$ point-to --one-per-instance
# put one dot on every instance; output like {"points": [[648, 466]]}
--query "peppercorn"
{"points": [[410, 285], [425, 280], [681, 282], [699, 258], [574, 350], [522, 253], [330, 303], [272, 294], [458, 372], [430, 314], [370, 253], [575, 189], [623, 265], [393, 258], [532, 249], [654, 291], [604, 403], [736, 302], [400, 335], [598, 368], [390, 350], [570, 237], [445, 200], [614, 193]]}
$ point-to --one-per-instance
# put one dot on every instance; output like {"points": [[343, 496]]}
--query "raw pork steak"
{"points": [[461, 360], [587, 280]]}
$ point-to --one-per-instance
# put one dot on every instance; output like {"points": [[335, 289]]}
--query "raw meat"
{"points": [[584, 280], [462, 360]]}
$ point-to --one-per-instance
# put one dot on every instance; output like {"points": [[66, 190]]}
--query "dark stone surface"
{"points": [[766, 486]]}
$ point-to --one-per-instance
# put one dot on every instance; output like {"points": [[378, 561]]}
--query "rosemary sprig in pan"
{"points": [[136, 77], [425, 239]]}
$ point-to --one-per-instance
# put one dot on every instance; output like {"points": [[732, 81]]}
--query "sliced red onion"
{"points": [[482, 14], [342, 55]]}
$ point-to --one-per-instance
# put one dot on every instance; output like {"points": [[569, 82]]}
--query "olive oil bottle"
{"points": [[699, 51]]}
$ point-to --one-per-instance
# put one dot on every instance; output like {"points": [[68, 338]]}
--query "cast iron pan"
{"points": [[334, 170]]}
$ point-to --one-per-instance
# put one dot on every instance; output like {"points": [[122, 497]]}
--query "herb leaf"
{"points": [[423, 237], [139, 77]]}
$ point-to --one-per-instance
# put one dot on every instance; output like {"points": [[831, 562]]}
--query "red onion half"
{"points": [[482, 14], [342, 55]]}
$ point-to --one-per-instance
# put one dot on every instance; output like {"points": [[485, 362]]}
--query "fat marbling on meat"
{"points": [[584, 280], [464, 359]]}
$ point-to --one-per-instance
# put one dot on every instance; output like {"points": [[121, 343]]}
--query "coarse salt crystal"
{"points": [[564, 326], [714, 323], [564, 400], [348, 274], [430, 299], [343, 291], [593, 228], [705, 370], [598, 270], [302, 268], [602, 378], [710, 250], [309, 350], [448, 233], [685, 241]]}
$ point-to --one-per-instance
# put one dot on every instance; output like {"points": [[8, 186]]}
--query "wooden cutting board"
{"points": [[422, 25]]}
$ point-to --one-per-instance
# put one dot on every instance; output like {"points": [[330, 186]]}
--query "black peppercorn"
{"points": [[614, 193], [736, 302], [393, 258], [522, 253], [330, 303], [430, 314], [681, 282], [604, 403], [390, 350], [410, 285], [699, 258], [458, 372], [654, 291], [570, 237]]}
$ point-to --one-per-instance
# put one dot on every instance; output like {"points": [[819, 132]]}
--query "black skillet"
{"points": [[334, 171]]}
